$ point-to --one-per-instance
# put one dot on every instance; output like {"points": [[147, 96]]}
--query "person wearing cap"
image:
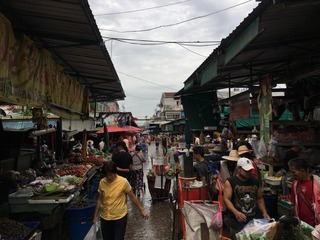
{"points": [[292, 153], [242, 196], [244, 151], [207, 139]]}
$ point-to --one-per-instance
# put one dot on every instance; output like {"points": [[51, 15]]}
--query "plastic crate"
{"points": [[33, 227], [284, 208]]}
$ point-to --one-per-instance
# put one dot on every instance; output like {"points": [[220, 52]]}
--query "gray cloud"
{"points": [[166, 65]]}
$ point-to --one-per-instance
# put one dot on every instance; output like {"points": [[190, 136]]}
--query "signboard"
{"points": [[210, 127], [29, 76], [240, 107]]}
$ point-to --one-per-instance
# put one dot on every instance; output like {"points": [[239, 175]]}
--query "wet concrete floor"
{"points": [[160, 224]]}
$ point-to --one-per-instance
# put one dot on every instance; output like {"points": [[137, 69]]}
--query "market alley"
{"points": [[160, 223]]}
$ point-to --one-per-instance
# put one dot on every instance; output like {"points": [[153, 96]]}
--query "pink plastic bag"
{"points": [[216, 222]]}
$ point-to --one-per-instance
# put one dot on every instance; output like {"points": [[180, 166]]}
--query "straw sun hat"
{"points": [[243, 149], [217, 149], [233, 156]]}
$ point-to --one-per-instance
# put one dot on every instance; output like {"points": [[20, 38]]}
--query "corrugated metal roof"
{"points": [[287, 47], [68, 30]]}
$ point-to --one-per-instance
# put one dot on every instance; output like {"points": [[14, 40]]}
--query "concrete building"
{"points": [[169, 109]]}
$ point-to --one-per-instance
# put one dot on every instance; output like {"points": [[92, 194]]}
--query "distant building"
{"points": [[102, 107], [168, 110], [170, 107]]}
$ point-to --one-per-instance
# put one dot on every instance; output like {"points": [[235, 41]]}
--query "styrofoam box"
{"points": [[273, 181]]}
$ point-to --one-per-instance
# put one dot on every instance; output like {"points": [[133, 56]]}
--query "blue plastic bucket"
{"points": [[78, 228], [80, 213]]}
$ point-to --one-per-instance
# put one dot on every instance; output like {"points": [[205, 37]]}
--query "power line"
{"points": [[178, 23], [143, 97], [153, 43], [159, 42], [192, 51], [143, 80], [140, 10]]}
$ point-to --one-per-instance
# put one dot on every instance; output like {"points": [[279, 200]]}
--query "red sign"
{"points": [[240, 107]]}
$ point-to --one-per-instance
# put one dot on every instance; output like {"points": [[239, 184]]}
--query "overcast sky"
{"points": [[137, 35]]}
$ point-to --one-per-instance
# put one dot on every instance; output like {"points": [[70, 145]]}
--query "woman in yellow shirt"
{"points": [[112, 203]]}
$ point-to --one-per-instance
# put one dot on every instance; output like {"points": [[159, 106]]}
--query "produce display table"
{"points": [[39, 208], [50, 215], [35, 202]]}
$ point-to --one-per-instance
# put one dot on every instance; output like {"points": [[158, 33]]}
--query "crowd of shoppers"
{"points": [[237, 174]]}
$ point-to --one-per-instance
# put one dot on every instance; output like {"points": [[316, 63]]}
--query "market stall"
{"points": [[46, 198]]}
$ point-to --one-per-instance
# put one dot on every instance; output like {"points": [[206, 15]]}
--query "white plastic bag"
{"points": [[94, 232], [255, 229], [272, 148], [259, 148], [262, 147]]}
